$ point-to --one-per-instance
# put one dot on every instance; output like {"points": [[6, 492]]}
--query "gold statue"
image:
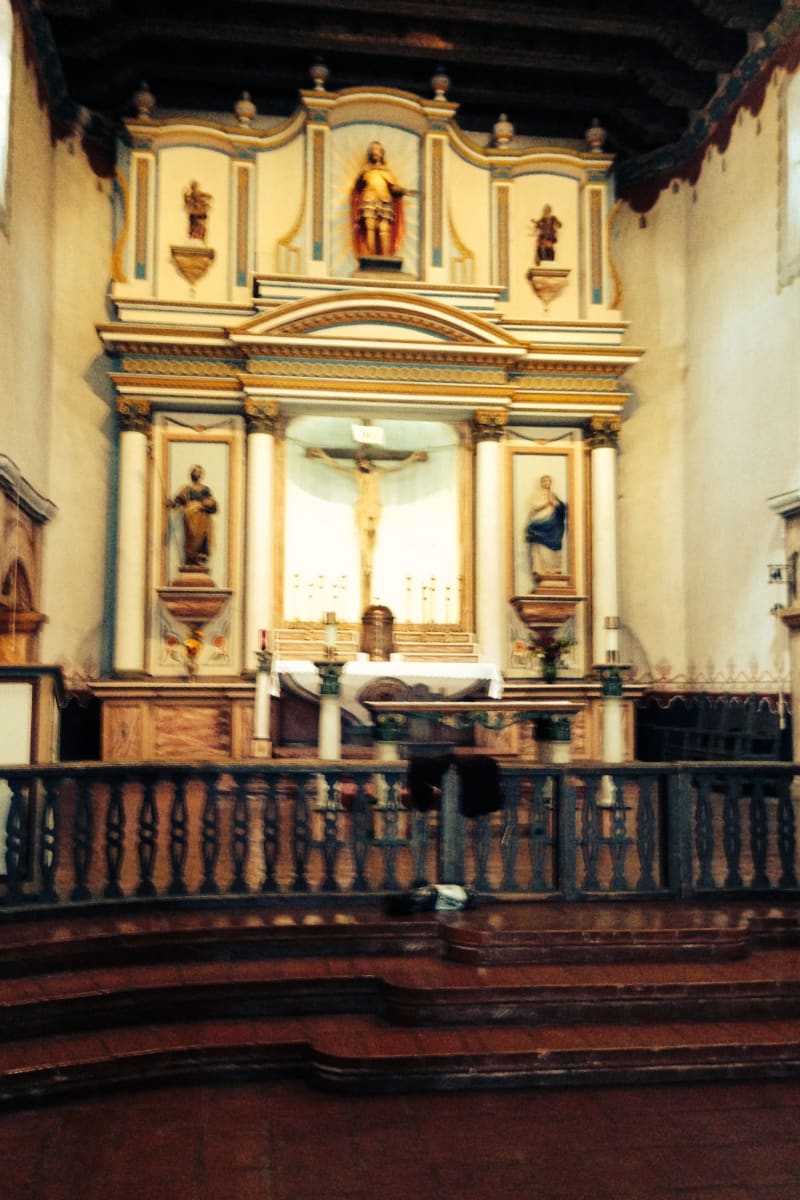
{"points": [[377, 207], [198, 504], [197, 205]]}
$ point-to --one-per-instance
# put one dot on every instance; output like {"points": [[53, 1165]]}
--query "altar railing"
{"points": [[96, 836]]}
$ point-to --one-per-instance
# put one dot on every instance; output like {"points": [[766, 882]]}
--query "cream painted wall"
{"points": [[54, 403], [26, 252], [717, 392], [81, 420]]}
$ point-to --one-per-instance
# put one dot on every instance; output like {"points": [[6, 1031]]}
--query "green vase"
{"points": [[549, 670]]}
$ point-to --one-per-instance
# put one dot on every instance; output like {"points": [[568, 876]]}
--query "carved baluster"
{"points": [[148, 839], [732, 831], [301, 833], [704, 833], [481, 845], [115, 839], [359, 836], [619, 836], [49, 830], [275, 796], [82, 841], [16, 838], [515, 792], [178, 837], [209, 836], [646, 833], [240, 838], [540, 842], [330, 835], [390, 840], [759, 834], [590, 834], [420, 846], [786, 834]]}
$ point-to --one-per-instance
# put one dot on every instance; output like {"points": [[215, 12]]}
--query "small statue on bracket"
{"points": [[547, 228], [198, 206]]}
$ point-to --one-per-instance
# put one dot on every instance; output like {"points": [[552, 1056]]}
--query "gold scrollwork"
{"points": [[261, 416], [604, 432], [134, 415], [489, 424]]}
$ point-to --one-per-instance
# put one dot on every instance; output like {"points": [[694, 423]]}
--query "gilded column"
{"points": [[603, 440], [491, 618], [131, 567], [260, 420]]}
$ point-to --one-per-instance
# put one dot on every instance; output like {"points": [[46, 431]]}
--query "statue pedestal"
{"points": [[384, 263]]}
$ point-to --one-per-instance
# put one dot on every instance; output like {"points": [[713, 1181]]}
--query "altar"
{"points": [[364, 682]]}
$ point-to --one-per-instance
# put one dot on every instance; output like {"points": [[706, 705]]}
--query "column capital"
{"points": [[261, 416], [604, 432], [489, 424], [134, 414]]}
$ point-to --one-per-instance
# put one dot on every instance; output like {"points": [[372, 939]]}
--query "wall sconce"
{"points": [[786, 573]]}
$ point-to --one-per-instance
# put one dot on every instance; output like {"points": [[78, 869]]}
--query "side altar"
{"points": [[364, 362]]}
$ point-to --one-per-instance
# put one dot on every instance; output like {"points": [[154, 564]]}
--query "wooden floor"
{"points": [[647, 1051]]}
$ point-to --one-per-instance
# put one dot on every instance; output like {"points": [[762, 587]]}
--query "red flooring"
{"points": [[280, 1141]]}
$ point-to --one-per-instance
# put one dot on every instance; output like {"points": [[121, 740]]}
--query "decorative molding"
{"points": [[134, 415], [604, 432], [23, 493]]}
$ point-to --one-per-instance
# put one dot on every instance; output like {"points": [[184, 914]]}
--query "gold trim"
{"points": [[117, 254], [243, 222], [467, 259], [618, 293], [142, 197]]}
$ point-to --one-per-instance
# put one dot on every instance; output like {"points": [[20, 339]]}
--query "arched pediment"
{"points": [[364, 316]]}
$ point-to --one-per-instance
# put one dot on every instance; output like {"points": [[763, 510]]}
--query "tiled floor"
{"points": [[280, 1141]]}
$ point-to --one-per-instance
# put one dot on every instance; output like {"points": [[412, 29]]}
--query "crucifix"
{"points": [[366, 466]]}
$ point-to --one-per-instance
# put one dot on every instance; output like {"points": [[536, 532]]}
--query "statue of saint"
{"points": [[198, 505], [197, 205], [367, 508], [547, 228], [544, 533], [377, 207]]}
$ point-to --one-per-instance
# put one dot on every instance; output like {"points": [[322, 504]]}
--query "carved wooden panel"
{"points": [[191, 731], [123, 732]]}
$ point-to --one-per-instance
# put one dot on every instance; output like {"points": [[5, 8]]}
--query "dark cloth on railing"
{"points": [[481, 793], [425, 781], [479, 783]]}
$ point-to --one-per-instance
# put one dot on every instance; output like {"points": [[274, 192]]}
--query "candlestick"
{"points": [[330, 633], [263, 633]]}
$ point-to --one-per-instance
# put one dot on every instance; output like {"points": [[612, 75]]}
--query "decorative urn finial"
{"points": [[440, 82], [503, 131], [244, 109], [595, 136], [319, 74], [144, 101]]}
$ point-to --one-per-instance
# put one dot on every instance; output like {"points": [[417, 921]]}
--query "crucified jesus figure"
{"points": [[367, 473]]}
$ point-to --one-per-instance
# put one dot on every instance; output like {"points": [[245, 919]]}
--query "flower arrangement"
{"points": [[192, 646], [551, 651]]}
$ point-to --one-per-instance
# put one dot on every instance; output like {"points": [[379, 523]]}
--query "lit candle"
{"points": [[263, 639]]}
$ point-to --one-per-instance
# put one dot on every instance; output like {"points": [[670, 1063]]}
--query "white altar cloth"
{"points": [[442, 678]]}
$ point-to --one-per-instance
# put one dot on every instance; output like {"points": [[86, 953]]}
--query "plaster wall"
{"points": [[81, 420], [26, 260], [712, 427]]}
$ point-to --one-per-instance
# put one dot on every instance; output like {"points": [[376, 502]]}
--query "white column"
{"points": [[605, 580], [260, 531], [491, 602], [131, 599], [329, 744]]}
